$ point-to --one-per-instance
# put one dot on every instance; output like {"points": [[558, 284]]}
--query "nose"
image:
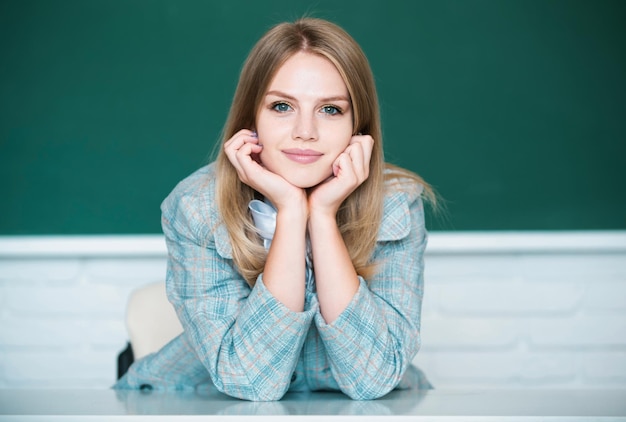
{"points": [[305, 127]]}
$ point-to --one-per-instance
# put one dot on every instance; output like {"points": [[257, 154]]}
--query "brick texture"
{"points": [[490, 319]]}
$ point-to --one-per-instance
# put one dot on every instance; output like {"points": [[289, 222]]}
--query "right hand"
{"points": [[243, 151]]}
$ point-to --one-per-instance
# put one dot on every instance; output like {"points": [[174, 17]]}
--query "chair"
{"points": [[151, 322]]}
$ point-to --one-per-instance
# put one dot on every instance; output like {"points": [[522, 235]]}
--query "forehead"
{"points": [[308, 73]]}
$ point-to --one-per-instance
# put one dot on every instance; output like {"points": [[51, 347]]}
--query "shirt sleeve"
{"points": [[246, 339], [373, 342], [174, 367]]}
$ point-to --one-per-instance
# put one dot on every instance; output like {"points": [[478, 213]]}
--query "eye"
{"points": [[331, 110], [281, 106]]}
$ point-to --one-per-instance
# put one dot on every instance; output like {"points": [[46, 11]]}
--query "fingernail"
{"points": [[254, 134]]}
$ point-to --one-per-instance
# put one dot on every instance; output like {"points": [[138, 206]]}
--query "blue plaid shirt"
{"points": [[249, 345]]}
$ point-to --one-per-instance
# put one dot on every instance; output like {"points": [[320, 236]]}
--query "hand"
{"points": [[350, 170], [243, 151]]}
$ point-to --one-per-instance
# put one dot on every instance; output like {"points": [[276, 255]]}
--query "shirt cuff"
{"points": [[358, 327]]}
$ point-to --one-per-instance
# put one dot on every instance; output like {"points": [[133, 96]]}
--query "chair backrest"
{"points": [[150, 319]]}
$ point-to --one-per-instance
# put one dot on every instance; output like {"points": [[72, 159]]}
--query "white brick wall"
{"points": [[504, 310], [62, 304]]}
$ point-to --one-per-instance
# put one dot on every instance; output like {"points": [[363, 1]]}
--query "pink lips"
{"points": [[302, 156]]}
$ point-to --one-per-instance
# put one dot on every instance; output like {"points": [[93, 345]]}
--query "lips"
{"points": [[302, 156]]}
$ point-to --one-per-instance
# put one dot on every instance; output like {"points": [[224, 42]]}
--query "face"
{"points": [[305, 120]]}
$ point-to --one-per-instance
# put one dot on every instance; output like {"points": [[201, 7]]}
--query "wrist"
{"points": [[292, 215], [319, 220]]}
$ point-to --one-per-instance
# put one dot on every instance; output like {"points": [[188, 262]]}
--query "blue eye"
{"points": [[332, 110], [281, 107]]}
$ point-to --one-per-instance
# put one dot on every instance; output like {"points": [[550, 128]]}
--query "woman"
{"points": [[296, 259]]}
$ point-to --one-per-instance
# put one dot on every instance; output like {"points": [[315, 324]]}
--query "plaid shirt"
{"points": [[249, 345]]}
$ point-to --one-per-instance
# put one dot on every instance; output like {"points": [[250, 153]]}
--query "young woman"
{"points": [[296, 259]]}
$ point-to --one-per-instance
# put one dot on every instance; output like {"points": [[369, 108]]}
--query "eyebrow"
{"points": [[323, 100]]}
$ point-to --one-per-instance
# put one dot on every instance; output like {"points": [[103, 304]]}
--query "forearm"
{"points": [[247, 340], [374, 340], [335, 277], [369, 346], [284, 272], [254, 358], [250, 345], [174, 367]]}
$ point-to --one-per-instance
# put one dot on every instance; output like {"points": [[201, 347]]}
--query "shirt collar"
{"points": [[395, 225]]}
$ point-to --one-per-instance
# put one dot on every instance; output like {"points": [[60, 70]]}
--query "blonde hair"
{"points": [[360, 215]]}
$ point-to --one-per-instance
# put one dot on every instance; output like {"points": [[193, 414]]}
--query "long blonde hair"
{"points": [[360, 215]]}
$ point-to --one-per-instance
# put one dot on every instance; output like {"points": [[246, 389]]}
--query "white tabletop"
{"points": [[436, 405]]}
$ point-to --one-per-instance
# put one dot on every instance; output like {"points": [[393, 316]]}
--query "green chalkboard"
{"points": [[513, 109]]}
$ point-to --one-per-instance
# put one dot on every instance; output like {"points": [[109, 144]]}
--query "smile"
{"points": [[302, 156]]}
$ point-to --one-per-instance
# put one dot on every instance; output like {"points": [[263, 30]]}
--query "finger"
{"points": [[241, 137], [355, 152], [365, 144], [231, 154], [366, 141], [248, 166], [242, 158], [344, 168], [361, 153], [235, 143], [368, 148], [245, 153], [229, 143]]}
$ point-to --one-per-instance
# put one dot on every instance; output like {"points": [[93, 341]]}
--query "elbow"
{"points": [[370, 389], [363, 393], [251, 392], [270, 395], [374, 383]]}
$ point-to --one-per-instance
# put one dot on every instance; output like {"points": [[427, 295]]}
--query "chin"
{"points": [[306, 182], [304, 185]]}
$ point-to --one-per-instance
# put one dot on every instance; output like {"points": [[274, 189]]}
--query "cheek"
{"points": [[268, 158], [341, 143], [342, 135], [269, 134], [264, 158]]}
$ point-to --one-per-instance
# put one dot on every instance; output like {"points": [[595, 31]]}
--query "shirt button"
{"points": [[293, 377], [145, 387]]}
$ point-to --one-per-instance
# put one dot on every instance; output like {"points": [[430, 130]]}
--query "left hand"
{"points": [[350, 170]]}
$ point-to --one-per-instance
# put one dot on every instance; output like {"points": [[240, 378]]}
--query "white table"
{"points": [[411, 405]]}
